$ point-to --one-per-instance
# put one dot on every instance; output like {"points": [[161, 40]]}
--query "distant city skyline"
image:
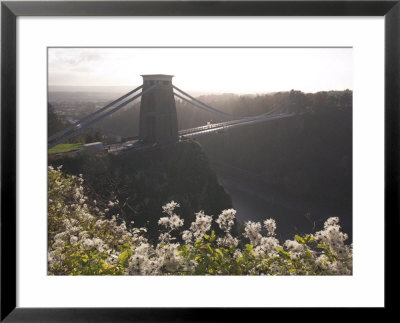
{"points": [[205, 70]]}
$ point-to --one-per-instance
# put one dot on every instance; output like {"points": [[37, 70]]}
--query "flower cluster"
{"points": [[201, 225], [252, 232], [84, 240], [226, 221], [338, 258], [172, 222], [80, 242], [270, 225]]}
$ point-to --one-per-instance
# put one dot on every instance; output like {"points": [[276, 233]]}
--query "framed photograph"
{"points": [[183, 160]]}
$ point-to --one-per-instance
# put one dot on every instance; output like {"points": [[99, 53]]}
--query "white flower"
{"points": [[226, 219], [170, 207], [165, 238], [268, 246], [270, 225], [141, 262], [187, 236], [296, 249], [175, 222], [172, 222], [252, 231], [164, 221], [321, 260], [201, 225], [99, 244], [237, 254], [333, 237], [61, 236], [58, 244], [293, 245], [331, 221], [87, 244], [169, 258], [144, 249], [227, 241], [83, 235]]}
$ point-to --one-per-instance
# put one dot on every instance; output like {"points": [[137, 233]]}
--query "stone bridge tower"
{"points": [[158, 120]]}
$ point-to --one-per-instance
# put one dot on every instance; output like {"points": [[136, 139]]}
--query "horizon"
{"points": [[124, 88], [207, 70]]}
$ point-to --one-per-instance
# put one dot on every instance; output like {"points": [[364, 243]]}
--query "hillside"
{"points": [[144, 181]]}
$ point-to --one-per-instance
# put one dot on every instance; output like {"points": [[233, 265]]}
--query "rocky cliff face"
{"points": [[144, 181]]}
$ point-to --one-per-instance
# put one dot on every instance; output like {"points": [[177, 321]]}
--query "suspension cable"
{"points": [[208, 108], [92, 122], [203, 104], [61, 132]]}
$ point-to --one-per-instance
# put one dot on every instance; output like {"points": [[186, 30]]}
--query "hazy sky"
{"points": [[236, 70]]}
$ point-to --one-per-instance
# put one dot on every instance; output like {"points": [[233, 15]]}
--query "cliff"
{"points": [[144, 181]]}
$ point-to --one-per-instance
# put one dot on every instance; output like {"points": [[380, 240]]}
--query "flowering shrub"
{"points": [[82, 241]]}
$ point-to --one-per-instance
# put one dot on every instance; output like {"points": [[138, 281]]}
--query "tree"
{"points": [[54, 122]]}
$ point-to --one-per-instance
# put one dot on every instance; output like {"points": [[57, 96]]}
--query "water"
{"points": [[254, 200]]}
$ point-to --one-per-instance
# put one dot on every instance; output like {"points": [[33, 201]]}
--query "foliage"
{"points": [[55, 123], [82, 241], [144, 180], [79, 242]]}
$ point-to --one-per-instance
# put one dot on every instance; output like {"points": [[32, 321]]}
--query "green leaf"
{"points": [[213, 236], [299, 239], [85, 258], [284, 254], [219, 252], [309, 238], [183, 249], [204, 246], [123, 257], [308, 254], [250, 249]]}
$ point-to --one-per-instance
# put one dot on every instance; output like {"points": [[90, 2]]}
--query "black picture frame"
{"points": [[10, 10]]}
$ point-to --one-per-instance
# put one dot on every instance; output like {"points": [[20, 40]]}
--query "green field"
{"points": [[63, 148]]}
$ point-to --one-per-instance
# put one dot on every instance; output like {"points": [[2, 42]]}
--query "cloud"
{"points": [[84, 57], [61, 59]]}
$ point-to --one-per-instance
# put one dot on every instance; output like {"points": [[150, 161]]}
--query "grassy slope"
{"points": [[62, 148]]}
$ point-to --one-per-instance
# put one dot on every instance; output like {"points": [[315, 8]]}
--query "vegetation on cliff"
{"points": [[142, 181], [83, 241]]}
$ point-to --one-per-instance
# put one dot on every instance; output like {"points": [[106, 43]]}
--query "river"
{"points": [[255, 200]]}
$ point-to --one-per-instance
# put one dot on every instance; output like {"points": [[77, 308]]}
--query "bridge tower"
{"points": [[158, 121]]}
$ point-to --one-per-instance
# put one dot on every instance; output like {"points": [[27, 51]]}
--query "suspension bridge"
{"points": [[158, 118]]}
